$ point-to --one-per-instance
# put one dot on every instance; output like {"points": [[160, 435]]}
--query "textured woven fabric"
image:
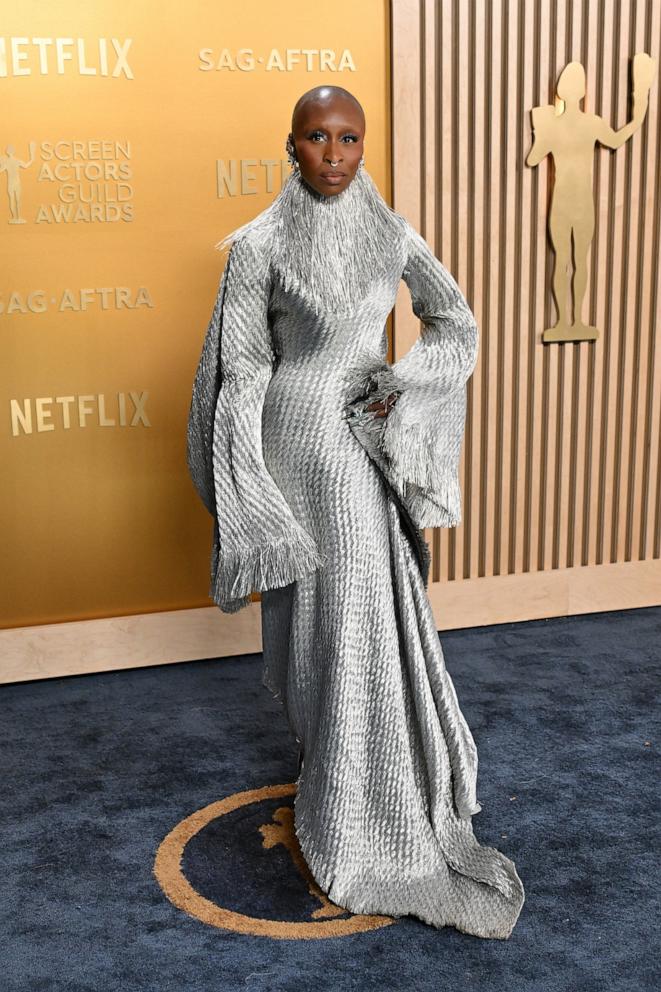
{"points": [[319, 504]]}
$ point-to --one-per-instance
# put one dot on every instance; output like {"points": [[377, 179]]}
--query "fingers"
{"points": [[381, 407]]}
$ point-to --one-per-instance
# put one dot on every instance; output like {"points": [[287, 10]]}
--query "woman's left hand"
{"points": [[381, 408]]}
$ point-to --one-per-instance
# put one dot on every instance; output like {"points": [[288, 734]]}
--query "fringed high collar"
{"points": [[329, 249]]}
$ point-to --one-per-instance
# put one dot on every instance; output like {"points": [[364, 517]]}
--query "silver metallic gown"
{"points": [[319, 505]]}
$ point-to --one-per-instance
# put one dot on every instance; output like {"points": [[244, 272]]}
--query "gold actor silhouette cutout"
{"points": [[12, 165], [569, 134]]}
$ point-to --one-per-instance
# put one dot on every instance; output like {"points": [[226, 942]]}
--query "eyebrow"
{"points": [[323, 127]]}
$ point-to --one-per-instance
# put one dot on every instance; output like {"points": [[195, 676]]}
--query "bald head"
{"points": [[322, 97]]}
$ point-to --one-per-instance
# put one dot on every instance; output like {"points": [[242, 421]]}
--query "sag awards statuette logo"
{"points": [[211, 842], [569, 134], [79, 181]]}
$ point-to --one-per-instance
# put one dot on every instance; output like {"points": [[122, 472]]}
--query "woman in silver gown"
{"points": [[320, 464]]}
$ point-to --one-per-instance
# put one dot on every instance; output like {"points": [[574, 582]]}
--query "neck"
{"points": [[328, 249]]}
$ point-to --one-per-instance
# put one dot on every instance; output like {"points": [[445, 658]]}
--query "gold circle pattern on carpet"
{"points": [[169, 874]]}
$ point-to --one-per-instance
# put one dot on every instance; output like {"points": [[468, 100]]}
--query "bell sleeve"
{"points": [[257, 542], [418, 444]]}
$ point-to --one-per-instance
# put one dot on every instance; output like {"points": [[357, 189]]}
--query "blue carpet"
{"points": [[98, 769]]}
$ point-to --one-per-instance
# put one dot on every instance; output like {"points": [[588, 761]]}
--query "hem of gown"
{"points": [[369, 906], [342, 896]]}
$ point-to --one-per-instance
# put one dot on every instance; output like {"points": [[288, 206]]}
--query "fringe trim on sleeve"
{"points": [[405, 453], [266, 566], [441, 508]]}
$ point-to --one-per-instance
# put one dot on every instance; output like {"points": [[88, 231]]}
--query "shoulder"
{"points": [[412, 240], [252, 242], [423, 270], [250, 246], [412, 236], [417, 252], [249, 257]]}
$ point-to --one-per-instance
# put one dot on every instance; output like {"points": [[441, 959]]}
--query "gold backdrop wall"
{"points": [[561, 464], [133, 137]]}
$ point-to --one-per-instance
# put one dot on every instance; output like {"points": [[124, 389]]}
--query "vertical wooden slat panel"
{"points": [[553, 361], [628, 332], [558, 480], [652, 304], [508, 241], [611, 408], [570, 354], [522, 344], [585, 26], [646, 314], [429, 200], [550, 357], [446, 561], [600, 308], [484, 196], [490, 346], [461, 240], [655, 480], [469, 448], [537, 276], [562, 454], [477, 59], [633, 466]]}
